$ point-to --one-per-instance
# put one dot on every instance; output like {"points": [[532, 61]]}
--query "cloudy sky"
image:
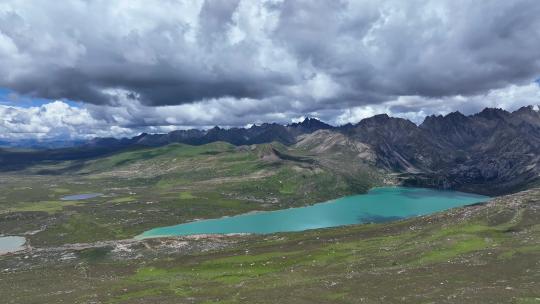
{"points": [[84, 68]]}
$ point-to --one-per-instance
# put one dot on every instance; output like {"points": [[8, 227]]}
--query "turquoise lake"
{"points": [[378, 205]]}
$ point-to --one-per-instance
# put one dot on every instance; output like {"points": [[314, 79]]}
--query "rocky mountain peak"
{"points": [[528, 110], [140, 136], [493, 113], [456, 115], [437, 121], [379, 117], [312, 124], [383, 121]]}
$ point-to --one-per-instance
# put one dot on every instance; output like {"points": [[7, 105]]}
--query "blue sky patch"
{"points": [[10, 98]]}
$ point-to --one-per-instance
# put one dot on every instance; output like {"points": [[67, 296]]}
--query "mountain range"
{"points": [[493, 151]]}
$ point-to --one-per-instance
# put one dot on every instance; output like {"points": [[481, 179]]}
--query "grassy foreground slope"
{"points": [[145, 188], [478, 254]]}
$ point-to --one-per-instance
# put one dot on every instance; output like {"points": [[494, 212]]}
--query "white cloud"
{"points": [[416, 108], [56, 120], [59, 120]]}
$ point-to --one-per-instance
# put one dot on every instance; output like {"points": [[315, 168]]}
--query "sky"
{"points": [[95, 68]]}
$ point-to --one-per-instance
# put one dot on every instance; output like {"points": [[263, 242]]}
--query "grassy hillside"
{"points": [[479, 254], [145, 188]]}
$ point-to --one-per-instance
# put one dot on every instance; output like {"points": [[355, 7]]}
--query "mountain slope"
{"points": [[492, 152]]}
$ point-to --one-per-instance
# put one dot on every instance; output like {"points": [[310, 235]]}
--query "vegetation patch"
{"points": [[186, 195], [44, 206], [124, 199]]}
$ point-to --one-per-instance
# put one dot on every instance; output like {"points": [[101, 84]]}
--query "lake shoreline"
{"points": [[448, 198]]}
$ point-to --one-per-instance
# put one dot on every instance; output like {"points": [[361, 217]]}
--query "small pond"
{"points": [[11, 244], [78, 197]]}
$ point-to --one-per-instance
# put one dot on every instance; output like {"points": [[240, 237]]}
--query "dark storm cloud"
{"points": [[430, 49], [83, 57], [253, 60]]}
